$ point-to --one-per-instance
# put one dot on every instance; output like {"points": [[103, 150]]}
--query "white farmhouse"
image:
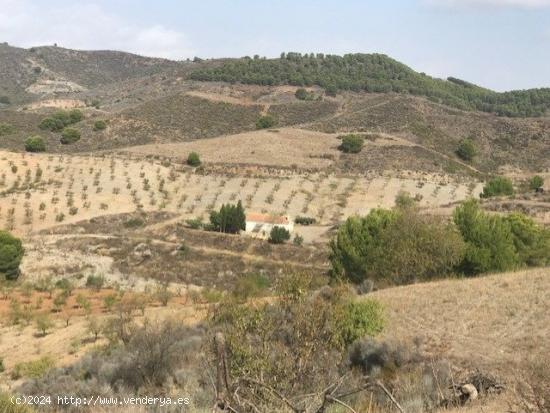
{"points": [[260, 225]]}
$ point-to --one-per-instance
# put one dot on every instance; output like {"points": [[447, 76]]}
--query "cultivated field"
{"points": [[42, 191]]}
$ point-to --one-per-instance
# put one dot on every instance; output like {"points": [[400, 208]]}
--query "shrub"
{"points": [[60, 120], [6, 129], [43, 323], [32, 369], [265, 122], [397, 246], [7, 406], [230, 219], [193, 159], [5, 100], [251, 285], [404, 200], [498, 186], [298, 240], [66, 285], [536, 182], [53, 124], [359, 319], [531, 241], [75, 116], [303, 94], [11, 253], [69, 135], [95, 281], [35, 144], [352, 143], [294, 344], [279, 235], [466, 150], [195, 223], [489, 240], [134, 223], [100, 125], [304, 220]]}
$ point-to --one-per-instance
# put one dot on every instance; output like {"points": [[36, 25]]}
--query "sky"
{"points": [[499, 44]]}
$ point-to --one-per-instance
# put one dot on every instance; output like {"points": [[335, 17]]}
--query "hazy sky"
{"points": [[500, 44]]}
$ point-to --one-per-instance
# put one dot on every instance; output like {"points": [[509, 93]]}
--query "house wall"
{"points": [[266, 228]]}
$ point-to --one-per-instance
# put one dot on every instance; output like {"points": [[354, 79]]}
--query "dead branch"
{"points": [[390, 396]]}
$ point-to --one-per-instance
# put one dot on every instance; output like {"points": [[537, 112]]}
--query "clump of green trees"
{"points": [[61, 119], [230, 219], [35, 144], [401, 245], [375, 73], [11, 254], [352, 143]]}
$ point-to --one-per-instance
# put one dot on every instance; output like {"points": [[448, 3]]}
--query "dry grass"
{"points": [[489, 322]]}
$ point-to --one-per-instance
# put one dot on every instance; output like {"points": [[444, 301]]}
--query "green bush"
{"points": [[536, 182], [304, 220], [50, 123], [69, 135], [497, 187], [531, 241], [61, 119], [352, 143], [298, 240], [195, 223], [279, 235], [398, 246], [466, 150], [5, 100], [489, 240], [303, 94], [95, 281], [11, 253], [229, 219], [404, 200], [295, 341], [100, 125], [32, 369], [359, 319], [251, 285], [75, 116], [6, 129], [265, 122], [35, 144], [193, 159], [134, 223]]}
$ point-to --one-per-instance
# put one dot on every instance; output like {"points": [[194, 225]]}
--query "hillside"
{"points": [[49, 70], [374, 73]]}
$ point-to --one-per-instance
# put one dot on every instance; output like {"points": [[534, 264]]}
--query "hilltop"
{"points": [[375, 73]]}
